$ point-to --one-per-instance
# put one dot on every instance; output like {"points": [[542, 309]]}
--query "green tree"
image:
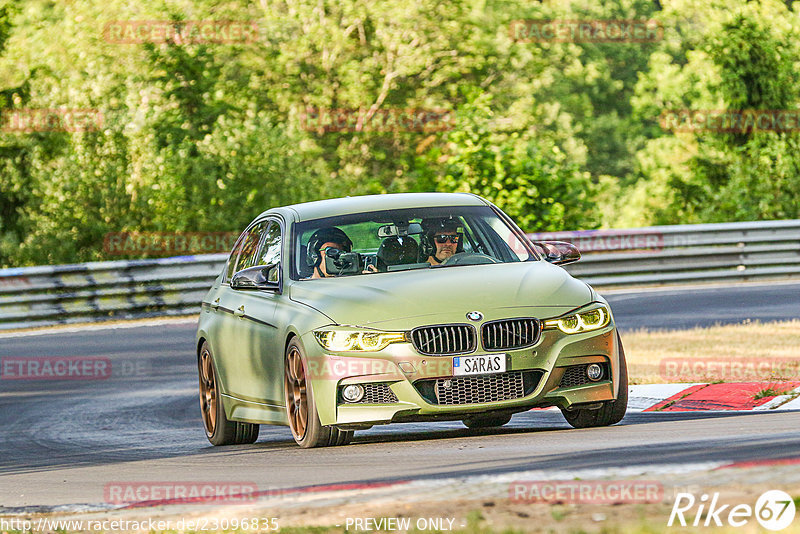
{"points": [[562, 135], [744, 60], [533, 182]]}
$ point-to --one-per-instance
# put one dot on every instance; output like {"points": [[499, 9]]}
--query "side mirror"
{"points": [[558, 252], [260, 277]]}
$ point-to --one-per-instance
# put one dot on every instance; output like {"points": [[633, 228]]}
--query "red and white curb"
{"points": [[704, 396], [746, 396]]}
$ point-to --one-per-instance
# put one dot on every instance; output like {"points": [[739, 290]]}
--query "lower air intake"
{"points": [[460, 390]]}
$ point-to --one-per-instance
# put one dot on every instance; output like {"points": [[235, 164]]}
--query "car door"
{"points": [[264, 343], [227, 342], [252, 350]]}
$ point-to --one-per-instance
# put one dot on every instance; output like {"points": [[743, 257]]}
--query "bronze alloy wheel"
{"points": [[219, 430], [208, 392], [301, 408], [296, 393]]}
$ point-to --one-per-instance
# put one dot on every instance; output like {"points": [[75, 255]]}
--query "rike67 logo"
{"points": [[774, 510]]}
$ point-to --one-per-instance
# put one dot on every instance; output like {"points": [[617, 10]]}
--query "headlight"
{"points": [[356, 340], [584, 321]]}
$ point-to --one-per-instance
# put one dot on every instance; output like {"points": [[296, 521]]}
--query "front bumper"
{"points": [[404, 371]]}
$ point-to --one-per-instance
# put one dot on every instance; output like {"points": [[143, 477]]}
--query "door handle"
{"points": [[239, 312], [215, 304]]}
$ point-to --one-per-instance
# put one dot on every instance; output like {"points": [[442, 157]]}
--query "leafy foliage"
{"points": [[746, 61], [530, 181], [203, 137]]}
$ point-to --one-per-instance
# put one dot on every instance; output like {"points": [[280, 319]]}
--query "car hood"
{"points": [[446, 292]]}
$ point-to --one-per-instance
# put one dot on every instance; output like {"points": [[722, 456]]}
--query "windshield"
{"points": [[404, 239]]}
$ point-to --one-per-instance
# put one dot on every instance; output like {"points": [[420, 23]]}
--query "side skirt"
{"points": [[253, 412]]}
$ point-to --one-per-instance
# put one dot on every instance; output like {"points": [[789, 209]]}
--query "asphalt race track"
{"points": [[63, 441], [705, 305]]}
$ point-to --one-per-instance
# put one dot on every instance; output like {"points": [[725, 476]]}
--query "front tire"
{"points": [[301, 410], [612, 412], [219, 430]]}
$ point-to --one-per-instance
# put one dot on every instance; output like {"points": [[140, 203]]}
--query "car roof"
{"points": [[361, 204]]}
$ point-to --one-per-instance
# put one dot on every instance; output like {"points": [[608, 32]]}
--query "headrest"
{"points": [[398, 251]]}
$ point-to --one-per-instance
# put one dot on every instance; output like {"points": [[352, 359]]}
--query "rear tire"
{"points": [[612, 412], [301, 410], [219, 430], [487, 421]]}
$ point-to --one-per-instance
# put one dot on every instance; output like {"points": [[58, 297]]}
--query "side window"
{"points": [[249, 254], [237, 248], [271, 251]]}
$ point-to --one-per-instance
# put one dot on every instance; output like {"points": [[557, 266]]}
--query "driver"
{"points": [[319, 242], [441, 240]]}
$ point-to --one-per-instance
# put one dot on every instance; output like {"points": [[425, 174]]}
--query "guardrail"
{"points": [[685, 253], [658, 255], [61, 294]]}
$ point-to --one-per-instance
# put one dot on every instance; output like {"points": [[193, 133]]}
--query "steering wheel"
{"points": [[469, 258]]}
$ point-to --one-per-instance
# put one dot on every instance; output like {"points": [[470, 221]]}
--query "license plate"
{"points": [[481, 364]]}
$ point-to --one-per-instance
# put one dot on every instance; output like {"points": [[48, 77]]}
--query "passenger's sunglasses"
{"points": [[444, 238]]}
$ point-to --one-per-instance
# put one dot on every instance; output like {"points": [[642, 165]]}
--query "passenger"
{"points": [[323, 240], [319, 242]]}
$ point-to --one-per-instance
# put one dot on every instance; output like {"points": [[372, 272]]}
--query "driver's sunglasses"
{"points": [[444, 238]]}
